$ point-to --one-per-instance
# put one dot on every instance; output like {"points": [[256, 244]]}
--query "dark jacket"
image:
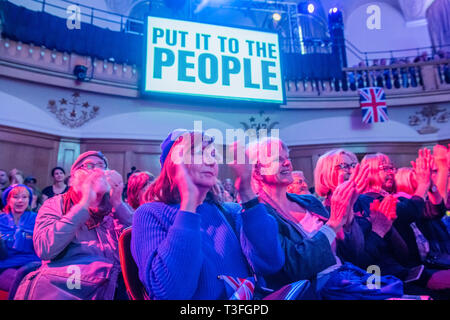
{"points": [[391, 253], [304, 257]]}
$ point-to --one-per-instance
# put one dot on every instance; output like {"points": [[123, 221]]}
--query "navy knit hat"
{"points": [[167, 144], [9, 189], [86, 154]]}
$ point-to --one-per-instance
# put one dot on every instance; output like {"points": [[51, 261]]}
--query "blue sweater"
{"points": [[18, 239], [181, 254]]}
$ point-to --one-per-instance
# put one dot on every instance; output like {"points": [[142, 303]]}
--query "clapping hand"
{"points": [[383, 214], [93, 187], [422, 168], [360, 176], [242, 169], [115, 181], [341, 205]]}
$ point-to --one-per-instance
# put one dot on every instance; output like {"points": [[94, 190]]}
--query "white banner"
{"points": [[198, 59]]}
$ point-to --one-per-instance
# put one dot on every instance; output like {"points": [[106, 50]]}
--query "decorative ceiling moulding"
{"points": [[71, 112], [428, 116]]}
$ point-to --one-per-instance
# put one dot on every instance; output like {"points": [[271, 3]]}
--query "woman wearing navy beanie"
{"points": [[186, 243]]}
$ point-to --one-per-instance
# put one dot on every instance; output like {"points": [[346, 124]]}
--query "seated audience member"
{"points": [[298, 185], [138, 183], [36, 203], [332, 169], [228, 185], [398, 237], [58, 187], [185, 242], [16, 176], [434, 171], [76, 235], [4, 183], [220, 192], [307, 231], [16, 233]]}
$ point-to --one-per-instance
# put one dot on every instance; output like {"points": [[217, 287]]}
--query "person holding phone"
{"points": [[76, 235]]}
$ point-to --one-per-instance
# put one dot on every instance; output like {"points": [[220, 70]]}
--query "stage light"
{"points": [[80, 72], [276, 16], [311, 8], [333, 10]]}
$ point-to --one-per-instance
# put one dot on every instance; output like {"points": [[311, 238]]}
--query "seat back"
{"points": [[130, 272]]}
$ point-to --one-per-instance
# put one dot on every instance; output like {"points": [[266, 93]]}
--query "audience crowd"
{"points": [[400, 74], [257, 237]]}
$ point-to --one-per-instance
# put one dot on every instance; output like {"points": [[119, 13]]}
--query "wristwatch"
{"points": [[433, 188]]}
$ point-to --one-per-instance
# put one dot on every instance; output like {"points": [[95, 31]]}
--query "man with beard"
{"points": [[76, 235], [398, 255]]}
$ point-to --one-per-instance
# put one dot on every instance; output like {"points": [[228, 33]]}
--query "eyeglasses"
{"points": [[92, 165], [388, 168], [346, 166]]}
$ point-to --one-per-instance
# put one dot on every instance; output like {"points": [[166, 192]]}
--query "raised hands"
{"points": [[189, 192], [342, 205], [360, 177], [242, 169], [422, 167], [93, 185], [383, 214], [115, 181], [388, 207], [359, 181]]}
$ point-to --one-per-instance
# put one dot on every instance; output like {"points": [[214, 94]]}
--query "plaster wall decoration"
{"points": [[261, 123], [71, 112], [426, 116]]}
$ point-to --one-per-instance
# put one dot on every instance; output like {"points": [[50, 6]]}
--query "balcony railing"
{"points": [[28, 62], [431, 75]]}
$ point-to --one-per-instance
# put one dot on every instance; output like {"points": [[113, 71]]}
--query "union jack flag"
{"points": [[373, 105], [242, 289]]}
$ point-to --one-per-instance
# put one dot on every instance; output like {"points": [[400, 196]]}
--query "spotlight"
{"points": [[276, 16], [333, 10], [80, 72], [306, 8]]}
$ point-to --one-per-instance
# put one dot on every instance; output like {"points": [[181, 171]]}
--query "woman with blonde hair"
{"points": [[332, 169], [307, 230]]}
